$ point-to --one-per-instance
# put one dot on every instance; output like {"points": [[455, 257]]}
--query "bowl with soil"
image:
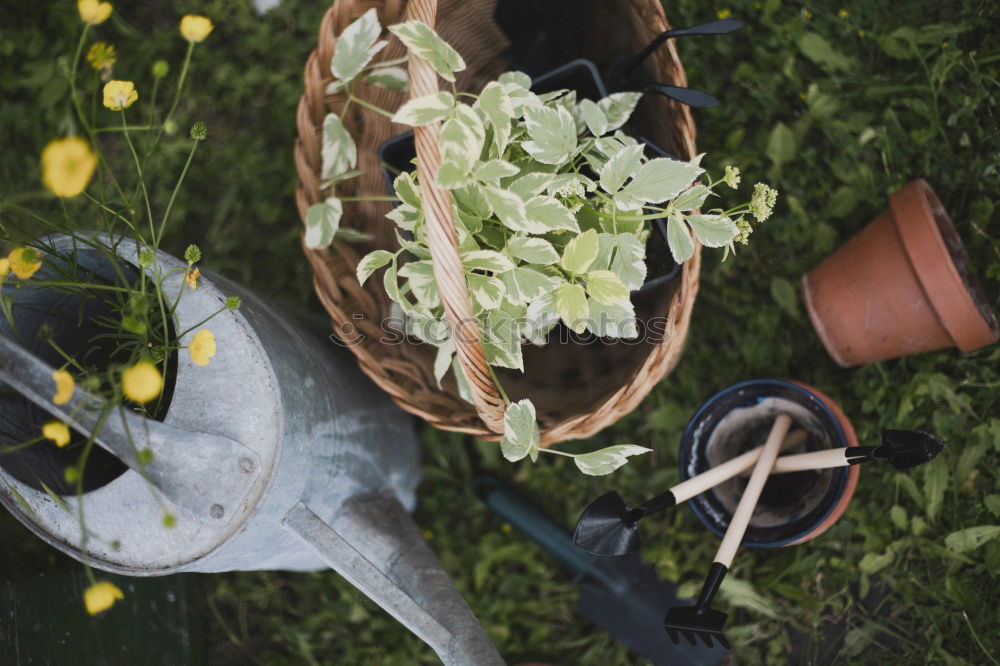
{"points": [[793, 508]]}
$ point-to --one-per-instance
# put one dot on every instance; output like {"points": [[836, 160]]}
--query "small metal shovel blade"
{"points": [[607, 527], [907, 448]]}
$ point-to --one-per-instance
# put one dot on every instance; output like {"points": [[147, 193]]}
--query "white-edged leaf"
{"points": [[487, 292], [405, 216], [322, 222], [452, 175], [495, 104], [620, 167], [463, 386], [340, 154], [544, 213], [425, 110], [423, 42], [371, 262], [495, 170], [713, 230], [392, 78], [533, 250], [580, 252], [679, 239], [520, 431], [406, 189], [540, 318], [613, 321], [509, 208], [519, 78], [501, 342], [656, 181], [420, 278], [605, 287], [486, 260], [442, 361], [628, 260], [356, 46], [531, 183], [461, 139], [472, 200], [593, 117], [524, 284], [552, 132], [692, 198], [605, 461], [572, 306], [618, 108]]}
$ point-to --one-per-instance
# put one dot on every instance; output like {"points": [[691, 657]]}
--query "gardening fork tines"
{"points": [[700, 620]]}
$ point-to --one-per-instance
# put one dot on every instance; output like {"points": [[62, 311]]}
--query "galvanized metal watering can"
{"points": [[279, 454]]}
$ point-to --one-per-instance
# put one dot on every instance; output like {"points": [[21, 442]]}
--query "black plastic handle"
{"points": [[712, 28]]}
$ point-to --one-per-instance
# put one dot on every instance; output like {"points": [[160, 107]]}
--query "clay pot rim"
{"points": [[941, 263]]}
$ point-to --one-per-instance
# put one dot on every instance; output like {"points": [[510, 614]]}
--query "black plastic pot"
{"points": [[794, 507], [398, 154]]}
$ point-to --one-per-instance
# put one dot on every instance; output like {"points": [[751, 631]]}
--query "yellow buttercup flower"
{"points": [[64, 387], [202, 347], [119, 95], [142, 382], [192, 278], [101, 55], [4, 267], [724, 13], [101, 596], [57, 432], [196, 28], [24, 262], [94, 12], [67, 166]]}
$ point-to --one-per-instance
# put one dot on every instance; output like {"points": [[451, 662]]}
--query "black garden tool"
{"points": [[622, 596], [701, 620], [609, 526], [900, 448]]}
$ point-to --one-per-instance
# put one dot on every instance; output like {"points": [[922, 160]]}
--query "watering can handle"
{"points": [[206, 475]]}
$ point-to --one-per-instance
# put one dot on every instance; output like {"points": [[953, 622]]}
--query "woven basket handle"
{"points": [[443, 242]]}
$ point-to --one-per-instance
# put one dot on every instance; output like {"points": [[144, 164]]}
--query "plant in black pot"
{"points": [[551, 200]]}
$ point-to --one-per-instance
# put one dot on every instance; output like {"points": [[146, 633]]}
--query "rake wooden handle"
{"points": [[744, 510]]}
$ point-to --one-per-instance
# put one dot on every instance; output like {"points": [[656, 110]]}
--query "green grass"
{"points": [[836, 113]]}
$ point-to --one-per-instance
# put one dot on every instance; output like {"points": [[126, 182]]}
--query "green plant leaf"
{"points": [[613, 321], [552, 132], [572, 306], [322, 222], [423, 42], [898, 516], [656, 181], [509, 208], [442, 361], [820, 52], [495, 104], [971, 538], [472, 200], [679, 239], [783, 293], [618, 108], [605, 287], [781, 144], [520, 431], [540, 318], [712, 230], [628, 258], [391, 78], [691, 198], [580, 252], [935, 482], [487, 260], [452, 175], [407, 190], [742, 594], [371, 263], [501, 342], [425, 110], [340, 154], [525, 284], [356, 46], [621, 166], [420, 278], [992, 503], [532, 183], [543, 214], [533, 250], [405, 216], [495, 170], [461, 139], [487, 292], [593, 117], [607, 460]]}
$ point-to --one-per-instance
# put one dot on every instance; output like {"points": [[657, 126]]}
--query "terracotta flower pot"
{"points": [[793, 508], [901, 286]]}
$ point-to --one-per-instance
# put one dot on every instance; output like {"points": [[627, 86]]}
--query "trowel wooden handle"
{"points": [[813, 460], [744, 510]]}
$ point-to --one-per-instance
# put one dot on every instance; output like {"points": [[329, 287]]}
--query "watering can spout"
{"points": [[412, 586]]}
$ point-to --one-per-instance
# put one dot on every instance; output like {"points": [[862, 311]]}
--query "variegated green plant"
{"points": [[551, 204]]}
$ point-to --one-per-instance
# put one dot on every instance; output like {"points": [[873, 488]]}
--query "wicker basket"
{"points": [[577, 389]]}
